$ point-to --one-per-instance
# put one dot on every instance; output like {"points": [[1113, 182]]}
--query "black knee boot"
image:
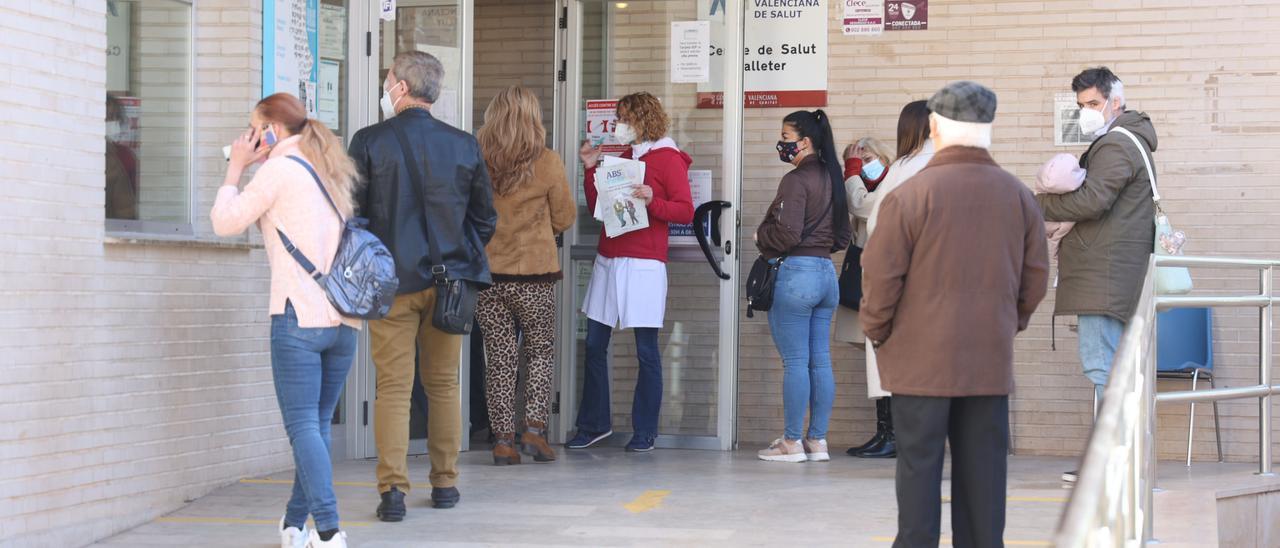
{"points": [[881, 404], [888, 446]]}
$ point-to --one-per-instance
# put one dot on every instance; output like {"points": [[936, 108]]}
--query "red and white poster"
{"points": [[863, 17], [785, 57], [906, 15], [602, 119]]}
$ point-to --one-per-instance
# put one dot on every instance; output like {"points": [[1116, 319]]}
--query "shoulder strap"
{"points": [[1142, 151], [293, 250], [438, 269]]}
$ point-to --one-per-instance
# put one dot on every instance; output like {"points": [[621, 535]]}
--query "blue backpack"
{"points": [[361, 282]]}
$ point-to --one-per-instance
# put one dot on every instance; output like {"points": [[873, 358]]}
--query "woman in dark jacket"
{"points": [[807, 222]]}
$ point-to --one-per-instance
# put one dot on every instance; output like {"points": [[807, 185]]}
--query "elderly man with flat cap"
{"points": [[955, 268]]}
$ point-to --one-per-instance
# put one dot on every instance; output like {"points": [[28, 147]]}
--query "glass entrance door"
{"points": [[442, 28], [612, 49]]}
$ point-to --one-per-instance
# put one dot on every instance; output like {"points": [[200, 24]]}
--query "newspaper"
{"points": [[616, 181]]}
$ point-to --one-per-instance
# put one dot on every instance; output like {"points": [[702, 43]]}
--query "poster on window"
{"points": [[700, 186], [119, 28], [602, 119], [1066, 121], [290, 50], [906, 15], [785, 63], [863, 17]]}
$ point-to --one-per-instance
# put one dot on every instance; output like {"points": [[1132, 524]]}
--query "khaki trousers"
{"points": [[393, 340]]}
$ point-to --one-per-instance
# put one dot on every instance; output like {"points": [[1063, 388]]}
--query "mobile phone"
{"points": [[226, 152], [269, 136]]}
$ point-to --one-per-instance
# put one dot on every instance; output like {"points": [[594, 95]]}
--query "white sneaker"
{"points": [[292, 537], [338, 541], [783, 450], [816, 450]]}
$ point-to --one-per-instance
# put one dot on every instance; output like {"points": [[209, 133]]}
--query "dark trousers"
{"points": [[978, 429], [594, 412]]}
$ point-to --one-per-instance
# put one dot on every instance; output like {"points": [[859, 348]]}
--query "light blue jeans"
{"points": [[309, 367], [1099, 337], [804, 298]]}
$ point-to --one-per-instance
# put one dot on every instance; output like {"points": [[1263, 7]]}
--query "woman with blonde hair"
{"points": [[534, 204], [303, 190]]}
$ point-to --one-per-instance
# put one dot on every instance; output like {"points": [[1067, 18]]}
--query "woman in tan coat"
{"points": [[531, 194]]}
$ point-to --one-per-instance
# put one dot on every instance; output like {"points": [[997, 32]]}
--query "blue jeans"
{"points": [[594, 412], [1099, 337], [804, 298], [309, 367]]}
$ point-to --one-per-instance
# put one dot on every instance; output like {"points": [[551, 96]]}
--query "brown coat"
{"points": [[803, 199], [956, 266], [529, 218]]}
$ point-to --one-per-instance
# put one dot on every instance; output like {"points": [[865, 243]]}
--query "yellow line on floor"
{"points": [[947, 541], [239, 521], [290, 482], [647, 501]]}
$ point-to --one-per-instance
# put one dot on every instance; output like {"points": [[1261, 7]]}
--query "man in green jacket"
{"points": [[1103, 260]]}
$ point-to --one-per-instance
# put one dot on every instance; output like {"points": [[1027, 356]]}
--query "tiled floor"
{"points": [[605, 497]]}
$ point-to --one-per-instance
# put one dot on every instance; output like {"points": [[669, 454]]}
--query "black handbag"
{"points": [[361, 282], [764, 275], [455, 307], [851, 278]]}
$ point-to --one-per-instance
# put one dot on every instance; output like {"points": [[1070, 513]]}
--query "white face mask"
{"points": [[388, 107], [1091, 121], [114, 130], [624, 133]]}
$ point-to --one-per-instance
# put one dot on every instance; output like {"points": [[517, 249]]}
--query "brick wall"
{"points": [[133, 377], [1204, 71], [514, 46]]}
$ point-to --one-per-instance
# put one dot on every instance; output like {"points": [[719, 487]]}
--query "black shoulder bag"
{"points": [[764, 275], [455, 298], [851, 278]]}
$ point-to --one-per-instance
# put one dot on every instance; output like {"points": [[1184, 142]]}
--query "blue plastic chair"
{"points": [[1184, 351]]}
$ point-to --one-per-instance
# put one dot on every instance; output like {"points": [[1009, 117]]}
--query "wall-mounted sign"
{"points": [[785, 54], [863, 17], [290, 50], [906, 15], [690, 63], [1066, 121]]}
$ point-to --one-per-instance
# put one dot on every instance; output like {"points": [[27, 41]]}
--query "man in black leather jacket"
{"points": [[460, 216]]}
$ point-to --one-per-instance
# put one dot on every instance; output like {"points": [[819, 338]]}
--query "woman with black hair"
{"points": [[807, 222]]}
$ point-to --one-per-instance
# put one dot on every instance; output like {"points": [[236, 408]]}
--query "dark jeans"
{"points": [[309, 367], [978, 428], [594, 412]]}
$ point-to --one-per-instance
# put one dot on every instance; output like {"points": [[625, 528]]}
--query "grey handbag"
{"points": [[361, 282]]}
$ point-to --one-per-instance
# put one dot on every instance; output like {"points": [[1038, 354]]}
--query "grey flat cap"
{"points": [[965, 102]]}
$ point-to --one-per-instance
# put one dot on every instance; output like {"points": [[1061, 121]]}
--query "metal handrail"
{"points": [[1113, 500]]}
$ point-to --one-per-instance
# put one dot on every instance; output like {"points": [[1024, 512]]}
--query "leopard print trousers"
{"points": [[532, 305]]}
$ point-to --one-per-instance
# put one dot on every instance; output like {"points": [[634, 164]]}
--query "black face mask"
{"points": [[787, 151]]}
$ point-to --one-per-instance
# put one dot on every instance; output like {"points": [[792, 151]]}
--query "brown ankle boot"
{"points": [[504, 450], [534, 443]]}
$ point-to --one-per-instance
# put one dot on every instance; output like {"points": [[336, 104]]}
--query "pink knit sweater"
{"points": [[283, 194]]}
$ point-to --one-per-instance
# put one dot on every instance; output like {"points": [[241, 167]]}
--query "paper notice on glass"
{"points": [[333, 31], [602, 119], [388, 11], [863, 17], [616, 207], [328, 100], [700, 188], [445, 108], [1066, 121], [690, 47]]}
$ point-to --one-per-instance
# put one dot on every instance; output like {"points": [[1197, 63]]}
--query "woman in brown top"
{"points": [[531, 194], [807, 222]]}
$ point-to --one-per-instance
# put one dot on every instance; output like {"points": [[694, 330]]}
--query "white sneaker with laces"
{"points": [[338, 541], [816, 450], [783, 450], [292, 537]]}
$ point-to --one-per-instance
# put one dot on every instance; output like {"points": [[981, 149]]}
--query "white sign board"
{"points": [[119, 36], [785, 53], [333, 31], [690, 41], [290, 48], [328, 94]]}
